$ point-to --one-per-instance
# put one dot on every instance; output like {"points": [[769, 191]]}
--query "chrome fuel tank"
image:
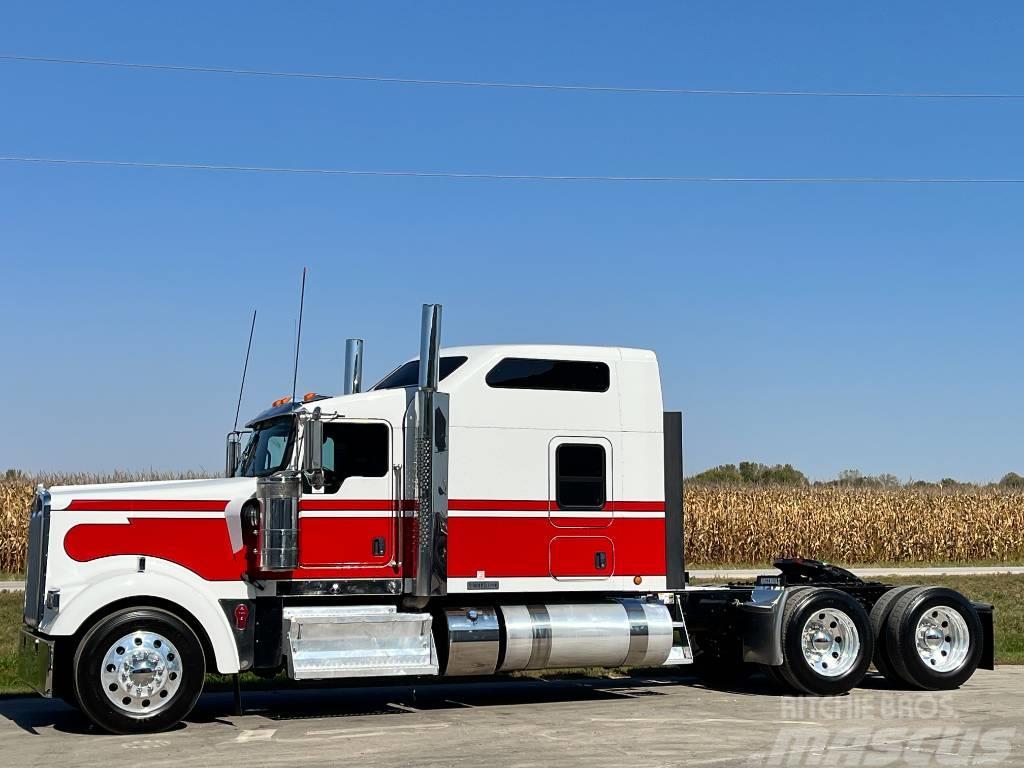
{"points": [[625, 632]]}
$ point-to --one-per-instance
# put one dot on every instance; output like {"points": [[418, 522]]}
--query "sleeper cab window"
{"points": [[355, 450], [408, 374], [564, 375], [580, 476]]}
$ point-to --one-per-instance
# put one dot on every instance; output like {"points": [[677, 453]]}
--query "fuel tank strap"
{"points": [[639, 633], [540, 654]]}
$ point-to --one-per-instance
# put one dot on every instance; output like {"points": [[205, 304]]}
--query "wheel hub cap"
{"points": [[943, 640], [830, 642], [140, 674]]}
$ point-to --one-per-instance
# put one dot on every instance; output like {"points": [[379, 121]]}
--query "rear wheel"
{"points": [[138, 671], [934, 637], [879, 616], [826, 642]]}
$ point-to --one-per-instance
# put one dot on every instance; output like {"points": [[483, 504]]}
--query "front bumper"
{"points": [[35, 661]]}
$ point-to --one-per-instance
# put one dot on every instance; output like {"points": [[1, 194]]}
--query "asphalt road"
{"points": [[750, 573], [664, 720]]}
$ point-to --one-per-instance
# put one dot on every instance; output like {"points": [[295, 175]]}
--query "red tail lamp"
{"points": [[241, 616]]}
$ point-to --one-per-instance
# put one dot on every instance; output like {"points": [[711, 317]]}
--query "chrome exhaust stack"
{"points": [[427, 422], [430, 347], [353, 366]]}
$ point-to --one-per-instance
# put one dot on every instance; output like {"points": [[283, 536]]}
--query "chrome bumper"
{"points": [[35, 661]]}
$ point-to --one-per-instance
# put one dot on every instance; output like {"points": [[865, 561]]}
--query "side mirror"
{"points": [[313, 462], [231, 453]]}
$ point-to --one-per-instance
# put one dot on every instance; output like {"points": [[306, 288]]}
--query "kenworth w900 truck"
{"points": [[480, 510]]}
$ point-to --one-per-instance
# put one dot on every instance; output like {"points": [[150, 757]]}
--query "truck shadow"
{"points": [[290, 703], [33, 714], [309, 702]]}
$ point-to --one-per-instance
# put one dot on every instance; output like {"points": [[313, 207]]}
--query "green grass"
{"points": [[1006, 593], [11, 604]]}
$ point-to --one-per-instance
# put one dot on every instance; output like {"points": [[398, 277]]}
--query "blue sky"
{"points": [[828, 326]]}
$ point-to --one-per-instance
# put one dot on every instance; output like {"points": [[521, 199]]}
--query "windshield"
{"points": [[267, 451]]}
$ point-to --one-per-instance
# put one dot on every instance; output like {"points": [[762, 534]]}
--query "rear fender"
{"points": [[761, 625]]}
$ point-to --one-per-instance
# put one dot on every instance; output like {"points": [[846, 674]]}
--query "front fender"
{"points": [[104, 582]]}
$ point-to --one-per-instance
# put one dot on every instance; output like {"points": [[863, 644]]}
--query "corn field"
{"points": [[748, 525], [842, 524], [16, 492]]}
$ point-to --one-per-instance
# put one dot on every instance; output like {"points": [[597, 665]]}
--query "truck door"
{"points": [[580, 504], [354, 520]]}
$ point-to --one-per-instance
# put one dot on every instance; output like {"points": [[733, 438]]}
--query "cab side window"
{"points": [[355, 450], [580, 476]]}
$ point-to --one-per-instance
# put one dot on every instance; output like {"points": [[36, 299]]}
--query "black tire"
{"points": [[188, 659], [879, 616], [774, 675], [796, 671], [901, 637]]}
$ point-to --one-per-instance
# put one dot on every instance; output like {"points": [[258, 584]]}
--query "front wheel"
{"points": [[138, 671]]}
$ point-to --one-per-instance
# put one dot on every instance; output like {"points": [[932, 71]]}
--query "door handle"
{"points": [[600, 561], [378, 546]]}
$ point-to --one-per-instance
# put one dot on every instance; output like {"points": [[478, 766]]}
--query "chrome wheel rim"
{"points": [[943, 639], [141, 672], [830, 642]]}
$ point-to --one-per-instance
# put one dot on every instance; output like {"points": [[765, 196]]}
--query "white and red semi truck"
{"points": [[480, 510]]}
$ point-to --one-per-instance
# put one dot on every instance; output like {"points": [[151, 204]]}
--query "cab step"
{"points": [[324, 642]]}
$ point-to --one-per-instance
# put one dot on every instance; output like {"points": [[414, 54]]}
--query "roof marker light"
{"points": [[279, 401]]}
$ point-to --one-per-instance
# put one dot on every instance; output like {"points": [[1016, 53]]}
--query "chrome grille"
{"points": [[38, 540]]}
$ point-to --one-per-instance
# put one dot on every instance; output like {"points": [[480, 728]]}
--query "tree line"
{"points": [[754, 473]]}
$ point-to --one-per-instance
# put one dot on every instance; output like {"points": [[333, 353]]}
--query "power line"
{"points": [[514, 176], [510, 85]]}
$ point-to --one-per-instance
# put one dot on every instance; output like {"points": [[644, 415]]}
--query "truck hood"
{"points": [[226, 489]]}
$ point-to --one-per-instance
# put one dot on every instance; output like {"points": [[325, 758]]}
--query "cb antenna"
{"points": [[245, 368], [298, 336]]}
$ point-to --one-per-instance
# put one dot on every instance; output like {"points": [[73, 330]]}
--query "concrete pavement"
{"points": [[642, 722]]}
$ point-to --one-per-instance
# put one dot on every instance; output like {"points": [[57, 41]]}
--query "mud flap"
{"points": [[985, 613]]}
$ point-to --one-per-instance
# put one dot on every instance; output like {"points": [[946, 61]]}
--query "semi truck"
{"points": [[480, 510]]}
